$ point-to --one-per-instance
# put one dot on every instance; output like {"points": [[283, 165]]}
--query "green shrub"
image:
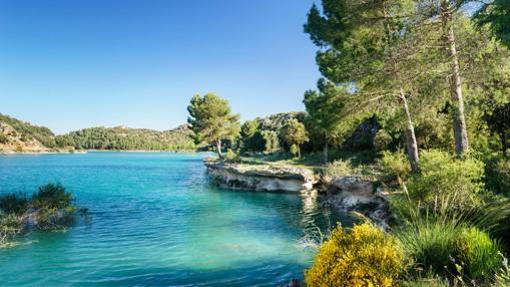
{"points": [[231, 156], [271, 142], [51, 207], [498, 176], [52, 196], [382, 140], [429, 245], [366, 256], [10, 226], [339, 168], [444, 179], [451, 250], [16, 203], [394, 167], [3, 139], [478, 253]]}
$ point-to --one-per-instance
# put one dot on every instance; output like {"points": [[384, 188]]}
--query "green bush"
{"points": [[10, 226], [232, 156], [366, 256], [16, 203], [382, 140], [51, 207], [497, 176], [394, 167], [3, 139], [429, 245], [271, 142], [339, 168], [446, 179], [478, 253], [52, 196], [451, 250]]}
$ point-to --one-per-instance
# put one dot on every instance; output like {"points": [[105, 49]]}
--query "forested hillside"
{"points": [[20, 136], [123, 138]]}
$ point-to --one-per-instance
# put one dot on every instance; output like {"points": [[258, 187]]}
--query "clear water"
{"points": [[157, 221]]}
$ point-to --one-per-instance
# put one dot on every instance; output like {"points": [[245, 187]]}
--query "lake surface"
{"points": [[155, 220]]}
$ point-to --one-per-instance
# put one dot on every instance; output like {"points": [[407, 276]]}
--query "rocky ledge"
{"points": [[356, 194], [347, 193], [263, 177]]}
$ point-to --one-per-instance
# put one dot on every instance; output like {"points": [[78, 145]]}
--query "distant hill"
{"points": [[20, 136], [276, 121], [124, 138]]}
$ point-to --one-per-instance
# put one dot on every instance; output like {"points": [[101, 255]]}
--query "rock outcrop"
{"points": [[347, 193], [12, 141], [264, 177], [354, 193]]}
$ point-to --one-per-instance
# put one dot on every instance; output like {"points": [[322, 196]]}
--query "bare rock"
{"points": [[260, 177]]}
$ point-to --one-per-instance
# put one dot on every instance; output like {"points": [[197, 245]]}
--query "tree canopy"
{"points": [[294, 134], [496, 14], [212, 120], [325, 111]]}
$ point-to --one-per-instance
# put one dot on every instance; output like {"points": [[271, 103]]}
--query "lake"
{"points": [[155, 220]]}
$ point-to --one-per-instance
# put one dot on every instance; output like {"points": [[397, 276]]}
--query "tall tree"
{"points": [[212, 120], [324, 109], [294, 134], [251, 137], [496, 13], [447, 11], [374, 46]]}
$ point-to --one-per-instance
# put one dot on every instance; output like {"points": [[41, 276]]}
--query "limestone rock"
{"points": [[260, 177]]}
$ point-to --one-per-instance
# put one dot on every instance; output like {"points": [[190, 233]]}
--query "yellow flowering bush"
{"points": [[365, 256]]}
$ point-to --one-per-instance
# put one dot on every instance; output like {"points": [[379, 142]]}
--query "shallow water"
{"points": [[155, 220]]}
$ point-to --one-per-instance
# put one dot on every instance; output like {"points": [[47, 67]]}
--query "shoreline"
{"points": [[94, 151]]}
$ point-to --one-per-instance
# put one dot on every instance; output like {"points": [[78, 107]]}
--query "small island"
{"points": [[51, 208]]}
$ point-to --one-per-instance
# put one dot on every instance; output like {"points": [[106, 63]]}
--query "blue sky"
{"points": [[74, 64]]}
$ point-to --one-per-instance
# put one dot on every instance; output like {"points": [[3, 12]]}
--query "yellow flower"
{"points": [[364, 257]]}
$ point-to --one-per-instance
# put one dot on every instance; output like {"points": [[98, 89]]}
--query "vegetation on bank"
{"points": [[123, 138], [418, 94], [51, 207], [19, 136]]}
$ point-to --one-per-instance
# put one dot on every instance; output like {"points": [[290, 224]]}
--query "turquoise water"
{"points": [[155, 220]]}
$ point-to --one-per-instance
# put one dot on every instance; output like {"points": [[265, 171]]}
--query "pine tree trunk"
{"points": [[298, 151], [411, 143], [218, 148], [459, 121]]}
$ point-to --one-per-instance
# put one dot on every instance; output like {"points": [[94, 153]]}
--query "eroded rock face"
{"points": [[261, 177], [347, 193], [353, 193], [13, 141]]}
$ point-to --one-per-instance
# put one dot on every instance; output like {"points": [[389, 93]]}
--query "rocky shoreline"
{"points": [[260, 177], [347, 193]]}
